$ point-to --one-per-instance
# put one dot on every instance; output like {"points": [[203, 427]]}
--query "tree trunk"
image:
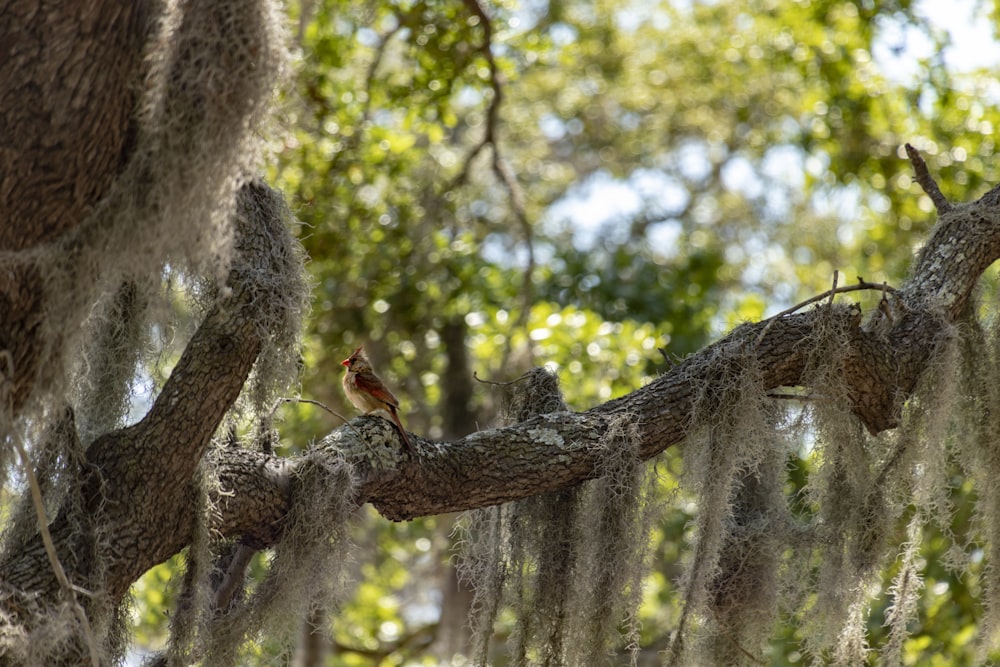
{"points": [[69, 78]]}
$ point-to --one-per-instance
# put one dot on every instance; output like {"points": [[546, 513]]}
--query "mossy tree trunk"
{"points": [[69, 79]]}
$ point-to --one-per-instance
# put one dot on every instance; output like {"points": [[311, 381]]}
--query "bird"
{"points": [[368, 393]]}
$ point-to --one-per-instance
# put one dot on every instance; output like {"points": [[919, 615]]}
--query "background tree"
{"points": [[435, 154]]}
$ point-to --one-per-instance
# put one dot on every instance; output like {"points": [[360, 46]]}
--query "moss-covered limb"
{"points": [[551, 451], [542, 454], [965, 241], [884, 363], [887, 355], [892, 349], [252, 496], [138, 489], [560, 449]]}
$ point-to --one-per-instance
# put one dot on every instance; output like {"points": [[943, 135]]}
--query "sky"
{"points": [[973, 44], [603, 199]]}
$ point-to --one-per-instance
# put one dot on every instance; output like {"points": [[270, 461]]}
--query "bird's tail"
{"points": [[402, 431]]}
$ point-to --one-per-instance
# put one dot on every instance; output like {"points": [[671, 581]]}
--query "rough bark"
{"points": [[67, 93], [140, 480], [59, 57]]}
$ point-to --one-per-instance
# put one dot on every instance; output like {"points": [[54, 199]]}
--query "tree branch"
{"points": [[138, 479], [926, 181], [557, 450], [542, 454]]}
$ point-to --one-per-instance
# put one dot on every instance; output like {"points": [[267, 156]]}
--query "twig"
{"points": [[927, 182], [833, 290], [862, 285], [500, 384], [499, 166], [282, 401], [347, 422], [666, 355], [50, 551]]}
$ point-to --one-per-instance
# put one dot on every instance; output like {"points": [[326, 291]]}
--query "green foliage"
{"points": [[760, 142], [153, 595]]}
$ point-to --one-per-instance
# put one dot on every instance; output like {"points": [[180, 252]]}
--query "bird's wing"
{"points": [[374, 386]]}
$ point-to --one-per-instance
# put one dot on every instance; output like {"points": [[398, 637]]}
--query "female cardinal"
{"points": [[366, 392]]}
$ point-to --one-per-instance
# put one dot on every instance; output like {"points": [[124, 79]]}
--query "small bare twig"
{"points": [[862, 285], [927, 182], [282, 401], [833, 290], [496, 383]]}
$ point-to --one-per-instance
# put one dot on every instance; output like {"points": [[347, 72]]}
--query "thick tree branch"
{"points": [[139, 479], [888, 353], [551, 451], [141, 476]]}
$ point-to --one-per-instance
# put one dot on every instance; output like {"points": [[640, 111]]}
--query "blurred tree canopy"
{"points": [[600, 188], [682, 166], [580, 183]]}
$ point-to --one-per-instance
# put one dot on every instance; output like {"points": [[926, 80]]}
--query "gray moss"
{"points": [[867, 504], [307, 570], [568, 565], [211, 72]]}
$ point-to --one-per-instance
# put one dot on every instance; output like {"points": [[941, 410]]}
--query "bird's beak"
{"points": [[347, 361]]}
